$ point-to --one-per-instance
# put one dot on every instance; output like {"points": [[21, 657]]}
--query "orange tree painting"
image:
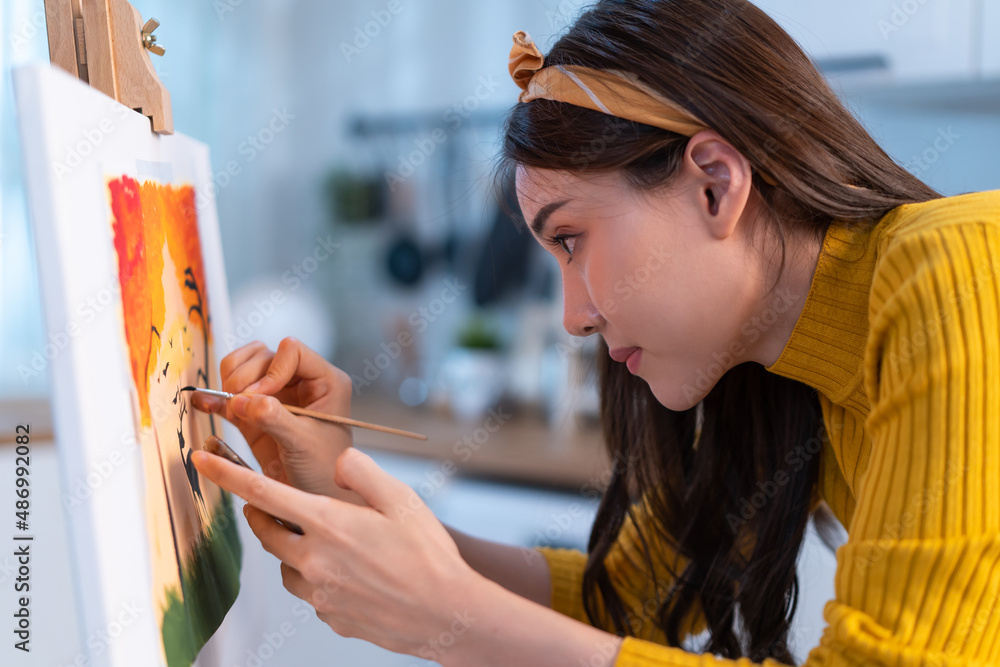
{"points": [[194, 545]]}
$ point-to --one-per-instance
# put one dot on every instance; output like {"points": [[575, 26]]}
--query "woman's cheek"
{"points": [[607, 279]]}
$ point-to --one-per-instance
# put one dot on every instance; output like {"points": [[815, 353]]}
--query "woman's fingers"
{"points": [[294, 359], [237, 357], [247, 372], [275, 498], [207, 403], [276, 539], [296, 584], [262, 437], [267, 415], [358, 472], [319, 588], [221, 407]]}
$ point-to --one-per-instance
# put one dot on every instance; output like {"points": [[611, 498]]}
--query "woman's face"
{"points": [[661, 272]]}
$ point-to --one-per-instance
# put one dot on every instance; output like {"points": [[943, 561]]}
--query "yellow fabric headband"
{"points": [[613, 92]]}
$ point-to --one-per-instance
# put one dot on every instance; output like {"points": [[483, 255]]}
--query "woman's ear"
{"points": [[720, 180]]}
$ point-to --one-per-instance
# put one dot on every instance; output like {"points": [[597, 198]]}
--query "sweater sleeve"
{"points": [[630, 575], [918, 581]]}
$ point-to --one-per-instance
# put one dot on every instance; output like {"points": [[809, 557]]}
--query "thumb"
{"points": [[358, 472], [267, 414]]}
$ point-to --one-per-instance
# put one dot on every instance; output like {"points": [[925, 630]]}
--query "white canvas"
{"points": [[74, 140]]}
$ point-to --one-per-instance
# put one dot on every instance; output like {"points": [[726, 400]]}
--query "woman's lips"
{"points": [[634, 360], [632, 356]]}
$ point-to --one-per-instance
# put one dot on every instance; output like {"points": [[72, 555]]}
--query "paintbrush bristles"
{"points": [[211, 392]]}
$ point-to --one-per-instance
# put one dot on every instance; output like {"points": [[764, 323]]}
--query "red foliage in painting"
{"points": [[144, 217], [184, 243], [133, 274]]}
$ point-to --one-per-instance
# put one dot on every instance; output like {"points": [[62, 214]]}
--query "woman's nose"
{"points": [[580, 316]]}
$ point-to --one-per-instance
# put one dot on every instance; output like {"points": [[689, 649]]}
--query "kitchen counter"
{"points": [[521, 449], [510, 446]]}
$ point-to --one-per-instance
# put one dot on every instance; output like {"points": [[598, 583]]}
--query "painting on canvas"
{"points": [[120, 211], [166, 325]]}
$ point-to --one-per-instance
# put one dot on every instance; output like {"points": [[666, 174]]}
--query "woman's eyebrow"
{"points": [[538, 224]]}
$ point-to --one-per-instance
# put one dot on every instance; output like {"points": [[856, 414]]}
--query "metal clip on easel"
{"points": [[104, 43]]}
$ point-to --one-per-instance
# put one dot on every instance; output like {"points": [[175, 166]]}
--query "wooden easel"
{"points": [[104, 43]]}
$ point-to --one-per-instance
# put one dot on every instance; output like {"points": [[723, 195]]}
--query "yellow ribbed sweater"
{"points": [[900, 335]]}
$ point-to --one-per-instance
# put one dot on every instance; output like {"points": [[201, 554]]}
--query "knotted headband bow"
{"points": [[613, 92]]}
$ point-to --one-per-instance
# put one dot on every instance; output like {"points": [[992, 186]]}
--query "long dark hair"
{"points": [[732, 66]]}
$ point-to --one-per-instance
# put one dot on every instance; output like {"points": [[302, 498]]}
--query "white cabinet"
{"points": [[919, 40], [991, 39]]}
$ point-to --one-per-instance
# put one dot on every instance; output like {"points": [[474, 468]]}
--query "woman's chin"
{"points": [[676, 397]]}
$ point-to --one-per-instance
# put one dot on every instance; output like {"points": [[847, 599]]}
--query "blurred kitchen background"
{"points": [[353, 143]]}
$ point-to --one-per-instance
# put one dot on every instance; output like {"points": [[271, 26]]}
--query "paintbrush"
{"points": [[336, 419]]}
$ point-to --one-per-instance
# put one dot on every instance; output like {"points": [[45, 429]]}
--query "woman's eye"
{"points": [[566, 243]]}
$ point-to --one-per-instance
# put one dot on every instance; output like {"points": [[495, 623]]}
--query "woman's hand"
{"points": [[388, 573], [299, 451]]}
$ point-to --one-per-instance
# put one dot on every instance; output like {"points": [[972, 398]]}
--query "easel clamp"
{"points": [[104, 43]]}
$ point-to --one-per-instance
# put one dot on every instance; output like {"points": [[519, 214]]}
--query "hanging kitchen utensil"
{"points": [[452, 238], [405, 258]]}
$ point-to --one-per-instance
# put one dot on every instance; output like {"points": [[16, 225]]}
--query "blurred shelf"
{"points": [[523, 450], [32, 412], [980, 96]]}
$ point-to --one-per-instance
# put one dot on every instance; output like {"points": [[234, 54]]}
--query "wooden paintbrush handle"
{"points": [[353, 422]]}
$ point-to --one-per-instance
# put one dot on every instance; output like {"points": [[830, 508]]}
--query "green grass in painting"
{"points": [[210, 581]]}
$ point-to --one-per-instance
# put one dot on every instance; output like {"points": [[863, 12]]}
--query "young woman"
{"points": [[788, 317]]}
